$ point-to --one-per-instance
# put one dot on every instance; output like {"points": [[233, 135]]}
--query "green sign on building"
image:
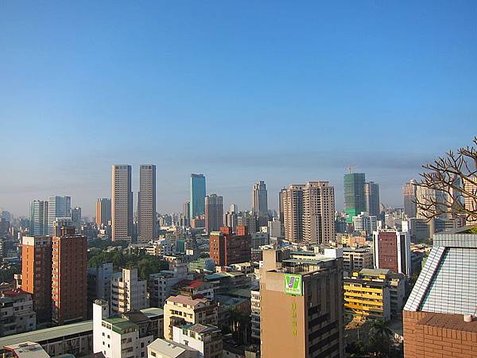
{"points": [[293, 284]]}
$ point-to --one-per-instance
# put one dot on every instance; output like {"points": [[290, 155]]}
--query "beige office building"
{"points": [[128, 293], [318, 212], [146, 206], [103, 212], [301, 305], [121, 203]]}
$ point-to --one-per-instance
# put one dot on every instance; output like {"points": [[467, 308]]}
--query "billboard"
{"points": [[293, 284]]}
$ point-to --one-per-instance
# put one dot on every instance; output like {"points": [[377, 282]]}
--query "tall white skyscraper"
{"points": [[146, 206], [38, 218], [58, 207], [121, 203]]}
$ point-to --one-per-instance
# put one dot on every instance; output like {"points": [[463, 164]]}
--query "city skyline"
{"points": [[317, 87]]}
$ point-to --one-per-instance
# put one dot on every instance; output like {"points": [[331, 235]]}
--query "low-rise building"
{"points": [[374, 293], [160, 284], [207, 339], [357, 259], [128, 292], [117, 336], [16, 312], [184, 309], [165, 348]]}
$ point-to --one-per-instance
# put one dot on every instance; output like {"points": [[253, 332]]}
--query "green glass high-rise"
{"points": [[355, 202]]}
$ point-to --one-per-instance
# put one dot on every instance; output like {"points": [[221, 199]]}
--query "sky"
{"points": [[280, 91]]}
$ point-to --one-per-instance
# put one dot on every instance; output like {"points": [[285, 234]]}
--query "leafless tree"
{"points": [[454, 178]]}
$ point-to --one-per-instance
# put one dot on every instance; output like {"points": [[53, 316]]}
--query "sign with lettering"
{"points": [[293, 284]]}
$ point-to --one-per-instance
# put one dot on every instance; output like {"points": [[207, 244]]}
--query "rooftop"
{"points": [[186, 300], [48, 334], [121, 325], [448, 321], [169, 348]]}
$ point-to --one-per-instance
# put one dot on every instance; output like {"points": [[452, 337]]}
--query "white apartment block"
{"points": [[128, 293]]}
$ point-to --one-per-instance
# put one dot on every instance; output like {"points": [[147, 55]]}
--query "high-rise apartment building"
{"points": [[439, 316], [355, 202], [128, 292], [227, 248], [121, 203], [58, 207], [69, 292], [392, 251], [260, 202], [146, 207], [318, 212], [371, 196], [38, 218], [292, 206], [214, 212], [301, 306], [309, 212], [197, 195], [103, 212], [36, 274], [409, 194]]}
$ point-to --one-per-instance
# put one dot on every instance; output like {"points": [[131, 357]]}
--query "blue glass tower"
{"points": [[197, 195]]}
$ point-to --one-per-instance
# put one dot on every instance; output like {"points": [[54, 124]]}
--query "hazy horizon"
{"points": [[239, 91]]}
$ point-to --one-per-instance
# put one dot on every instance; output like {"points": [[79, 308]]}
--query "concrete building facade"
{"points": [[121, 203], [128, 292], [146, 206]]}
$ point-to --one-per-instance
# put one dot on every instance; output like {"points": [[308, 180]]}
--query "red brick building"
{"points": [[392, 251], [69, 277], [227, 247], [36, 274], [438, 335]]}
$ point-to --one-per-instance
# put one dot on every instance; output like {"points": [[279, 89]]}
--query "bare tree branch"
{"points": [[449, 186]]}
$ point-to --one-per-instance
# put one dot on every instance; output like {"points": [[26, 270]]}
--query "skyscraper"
{"points": [[38, 218], [146, 207], [121, 203], [292, 206], [76, 218], [318, 212], [103, 212], [58, 207], [69, 277], [197, 195], [214, 212], [409, 193], [371, 194], [260, 202], [470, 197], [355, 202]]}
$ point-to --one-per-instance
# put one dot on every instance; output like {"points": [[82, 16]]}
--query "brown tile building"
{"points": [[69, 277], [301, 306], [437, 335], [226, 247], [392, 251], [36, 274]]}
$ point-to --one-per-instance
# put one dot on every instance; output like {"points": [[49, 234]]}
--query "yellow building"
{"points": [[367, 294]]}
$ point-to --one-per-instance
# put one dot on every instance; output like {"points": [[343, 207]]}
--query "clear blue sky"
{"points": [[281, 91]]}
